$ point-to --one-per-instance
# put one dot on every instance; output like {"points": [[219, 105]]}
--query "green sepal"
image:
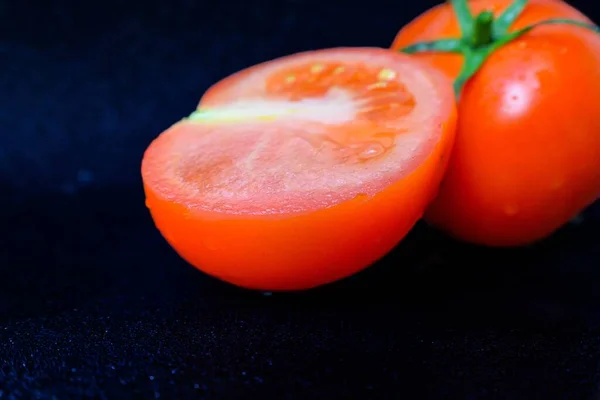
{"points": [[475, 57], [560, 21], [464, 16], [445, 45], [482, 29], [482, 35], [508, 17]]}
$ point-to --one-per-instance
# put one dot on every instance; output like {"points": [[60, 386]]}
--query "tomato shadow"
{"points": [[555, 282], [96, 248]]}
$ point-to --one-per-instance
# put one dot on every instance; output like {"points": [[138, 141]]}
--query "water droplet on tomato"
{"points": [[517, 97], [371, 150]]}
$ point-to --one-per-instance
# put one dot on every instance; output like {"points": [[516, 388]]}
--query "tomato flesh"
{"points": [[297, 159]]}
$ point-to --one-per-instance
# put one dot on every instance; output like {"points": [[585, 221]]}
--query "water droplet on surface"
{"points": [[371, 150]]}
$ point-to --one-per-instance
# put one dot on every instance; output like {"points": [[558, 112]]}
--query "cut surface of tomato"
{"points": [[287, 163]]}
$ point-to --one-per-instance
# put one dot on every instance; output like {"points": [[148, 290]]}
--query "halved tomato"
{"points": [[304, 169]]}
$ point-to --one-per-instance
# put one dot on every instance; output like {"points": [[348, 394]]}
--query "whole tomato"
{"points": [[527, 153]]}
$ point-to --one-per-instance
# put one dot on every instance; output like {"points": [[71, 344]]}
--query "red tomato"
{"points": [[527, 152], [302, 170]]}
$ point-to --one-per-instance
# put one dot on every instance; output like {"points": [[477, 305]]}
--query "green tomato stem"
{"points": [[482, 36], [482, 29]]}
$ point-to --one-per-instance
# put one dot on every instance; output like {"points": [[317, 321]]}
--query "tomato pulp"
{"points": [[527, 152], [302, 170]]}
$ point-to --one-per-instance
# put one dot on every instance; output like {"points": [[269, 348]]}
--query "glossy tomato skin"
{"points": [[527, 152], [301, 250]]}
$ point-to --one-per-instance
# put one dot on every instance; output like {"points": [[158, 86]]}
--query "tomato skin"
{"points": [[527, 152], [307, 249]]}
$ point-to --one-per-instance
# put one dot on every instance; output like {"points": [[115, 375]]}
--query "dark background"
{"points": [[94, 303]]}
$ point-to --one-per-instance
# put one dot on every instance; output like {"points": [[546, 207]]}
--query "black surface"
{"points": [[93, 302]]}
